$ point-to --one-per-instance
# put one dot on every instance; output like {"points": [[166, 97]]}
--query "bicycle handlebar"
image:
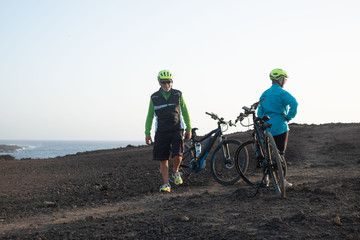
{"points": [[221, 120], [248, 111]]}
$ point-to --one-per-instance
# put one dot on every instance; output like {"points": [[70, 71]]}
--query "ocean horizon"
{"points": [[42, 149]]}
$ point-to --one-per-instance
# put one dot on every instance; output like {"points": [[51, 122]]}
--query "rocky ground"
{"points": [[113, 194]]}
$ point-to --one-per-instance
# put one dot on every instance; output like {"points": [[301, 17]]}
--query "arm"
{"points": [[185, 114], [293, 104], [148, 123], [186, 118], [260, 111]]}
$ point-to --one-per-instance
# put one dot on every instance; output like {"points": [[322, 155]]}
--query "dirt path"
{"points": [[142, 204]]}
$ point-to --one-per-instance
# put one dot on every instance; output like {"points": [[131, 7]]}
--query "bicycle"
{"points": [[222, 162], [262, 154]]}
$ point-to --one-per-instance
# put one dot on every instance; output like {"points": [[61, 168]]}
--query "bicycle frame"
{"points": [[208, 145], [272, 161], [259, 135], [259, 128], [222, 163]]}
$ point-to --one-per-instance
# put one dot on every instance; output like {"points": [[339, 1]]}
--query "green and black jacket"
{"points": [[169, 110]]}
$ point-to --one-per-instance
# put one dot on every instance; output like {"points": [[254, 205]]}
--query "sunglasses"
{"points": [[166, 82]]}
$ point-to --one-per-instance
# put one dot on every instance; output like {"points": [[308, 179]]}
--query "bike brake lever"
{"points": [[239, 118]]}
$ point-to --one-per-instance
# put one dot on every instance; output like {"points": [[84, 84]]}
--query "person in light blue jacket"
{"points": [[281, 107]]}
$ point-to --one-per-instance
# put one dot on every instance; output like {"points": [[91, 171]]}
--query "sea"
{"points": [[38, 149]]}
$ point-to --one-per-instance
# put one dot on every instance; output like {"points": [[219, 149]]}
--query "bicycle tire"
{"points": [[224, 170], [284, 165], [276, 170], [252, 174], [186, 166]]}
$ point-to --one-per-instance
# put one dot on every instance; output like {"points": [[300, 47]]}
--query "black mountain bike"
{"points": [[223, 159], [262, 154]]}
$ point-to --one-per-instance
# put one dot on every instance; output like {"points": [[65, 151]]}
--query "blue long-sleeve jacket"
{"points": [[278, 102]]}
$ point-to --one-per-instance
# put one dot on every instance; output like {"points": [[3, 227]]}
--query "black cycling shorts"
{"points": [[168, 143], [281, 141]]}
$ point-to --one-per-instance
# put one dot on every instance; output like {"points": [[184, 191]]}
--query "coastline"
{"points": [[4, 148], [43, 149]]}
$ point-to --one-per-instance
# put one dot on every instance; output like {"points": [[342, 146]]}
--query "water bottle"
{"points": [[198, 149], [258, 150]]}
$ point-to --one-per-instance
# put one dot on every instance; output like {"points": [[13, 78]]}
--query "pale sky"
{"points": [[85, 69]]}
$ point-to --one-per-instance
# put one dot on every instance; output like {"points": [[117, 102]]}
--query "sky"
{"points": [[85, 69]]}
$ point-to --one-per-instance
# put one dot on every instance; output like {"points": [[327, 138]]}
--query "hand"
{"points": [[285, 117], [187, 135], [148, 140]]}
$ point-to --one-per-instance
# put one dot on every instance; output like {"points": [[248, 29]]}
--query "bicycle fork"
{"points": [[229, 163]]}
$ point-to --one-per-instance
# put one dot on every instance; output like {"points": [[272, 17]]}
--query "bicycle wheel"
{"points": [[187, 166], [223, 162], [251, 171], [276, 169], [284, 165]]}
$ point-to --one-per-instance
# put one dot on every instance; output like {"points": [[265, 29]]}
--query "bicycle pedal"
{"points": [[265, 184], [259, 164]]}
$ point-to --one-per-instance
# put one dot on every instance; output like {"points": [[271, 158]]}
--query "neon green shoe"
{"points": [[177, 178], [165, 188]]}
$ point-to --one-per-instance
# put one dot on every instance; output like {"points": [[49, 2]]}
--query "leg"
{"points": [[186, 166], [164, 169], [177, 147], [176, 175], [176, 163], [281, 142], [275, 167], [161, 152]]}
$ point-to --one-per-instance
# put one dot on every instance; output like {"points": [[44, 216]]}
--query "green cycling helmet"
{"points": [[164, 74], [278, 73]]}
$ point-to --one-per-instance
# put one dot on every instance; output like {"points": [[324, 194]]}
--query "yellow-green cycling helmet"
{"points": [[164, 74], [278, 73]]}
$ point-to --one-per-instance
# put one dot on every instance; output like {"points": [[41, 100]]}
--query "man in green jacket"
{"points": [[171, 116]]}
